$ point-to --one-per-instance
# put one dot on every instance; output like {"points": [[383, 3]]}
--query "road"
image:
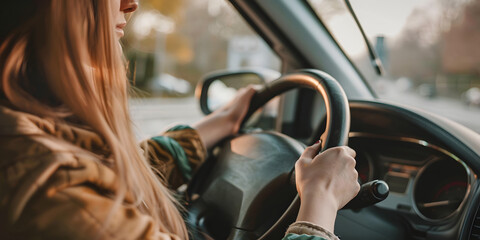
{"points": [[152, 116]]}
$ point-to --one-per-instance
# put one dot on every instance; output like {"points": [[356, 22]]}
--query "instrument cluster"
{"points": [[424, 180]]}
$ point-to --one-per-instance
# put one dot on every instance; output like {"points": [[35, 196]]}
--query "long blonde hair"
{"points": [[65, 61]]}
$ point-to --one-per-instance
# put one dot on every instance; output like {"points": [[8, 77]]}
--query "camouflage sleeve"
{"points": [[176, 154]]}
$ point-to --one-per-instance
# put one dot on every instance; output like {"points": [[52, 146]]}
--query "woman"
{"points": [[70, 167]]}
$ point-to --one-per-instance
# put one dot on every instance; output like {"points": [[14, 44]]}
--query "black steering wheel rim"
{"points": [[335, 99], [336, 133]]}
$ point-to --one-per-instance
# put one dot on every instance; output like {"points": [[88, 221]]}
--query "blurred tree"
{"points": [[198, 43], [460, 52], [415, 54], [166, 7], [437, 39], [180, 48]]}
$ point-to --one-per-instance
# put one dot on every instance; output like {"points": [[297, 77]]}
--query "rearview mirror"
{"points": [[218, 88]]}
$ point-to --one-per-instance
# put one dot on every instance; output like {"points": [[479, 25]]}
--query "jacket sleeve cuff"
{"points": [[307, 228], [175, 154]]}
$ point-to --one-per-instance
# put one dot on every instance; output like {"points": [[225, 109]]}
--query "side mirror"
{"points": [[218, 88]]}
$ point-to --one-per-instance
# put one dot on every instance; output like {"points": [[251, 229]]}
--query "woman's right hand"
{"points": [[325, 183]]}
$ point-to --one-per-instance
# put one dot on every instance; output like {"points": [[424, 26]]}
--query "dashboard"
{"points": [[426, 181], [431, 166]]}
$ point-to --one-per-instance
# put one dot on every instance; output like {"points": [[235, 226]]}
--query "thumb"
{"points": [[312, 151]]}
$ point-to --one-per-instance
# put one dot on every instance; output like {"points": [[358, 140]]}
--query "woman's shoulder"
{"points": [[51, 186], [23, 138], [39, 156], [15, 123], [26, 134]]}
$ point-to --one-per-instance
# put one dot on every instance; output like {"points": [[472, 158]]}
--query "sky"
{"points": [[385, 17], [378, 18]]}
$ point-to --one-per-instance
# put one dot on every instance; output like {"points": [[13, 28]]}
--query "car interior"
{"points": [[245, 189]]}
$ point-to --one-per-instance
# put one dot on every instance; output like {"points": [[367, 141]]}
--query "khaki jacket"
{"points": [[48, 191]]}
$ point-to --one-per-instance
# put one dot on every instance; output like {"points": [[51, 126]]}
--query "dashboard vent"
{"points": [[475, 232]]}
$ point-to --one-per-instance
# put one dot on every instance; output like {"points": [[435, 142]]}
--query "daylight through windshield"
{"points": [[429, 49]]}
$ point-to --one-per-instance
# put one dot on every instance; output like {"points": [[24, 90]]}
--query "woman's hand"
{"points": [[226, 120], [325, 183], [237, 108]]}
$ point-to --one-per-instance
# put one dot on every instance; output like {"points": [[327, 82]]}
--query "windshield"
{"points": [[429, 50]]}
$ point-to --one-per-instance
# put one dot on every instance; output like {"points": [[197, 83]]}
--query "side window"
{"points": [[170, 45]]}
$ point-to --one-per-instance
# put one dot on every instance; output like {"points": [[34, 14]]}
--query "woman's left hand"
{"points": [[237, 108], [226, 120]]}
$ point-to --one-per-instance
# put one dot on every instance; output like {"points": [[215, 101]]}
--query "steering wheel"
{"points": [[247, 189]]}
